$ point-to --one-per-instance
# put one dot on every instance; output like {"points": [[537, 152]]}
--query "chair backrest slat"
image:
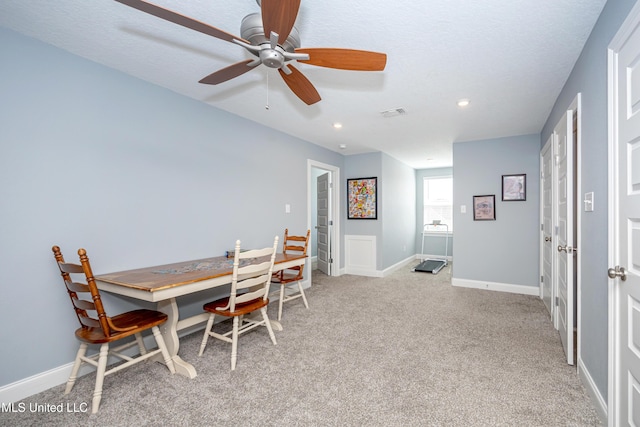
{"points": [[77, 287]]}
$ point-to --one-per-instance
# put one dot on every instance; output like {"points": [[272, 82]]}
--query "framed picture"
{"points": [[484, 208], [514, 187], [362, 200]]}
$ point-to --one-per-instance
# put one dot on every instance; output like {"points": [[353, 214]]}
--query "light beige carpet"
{"points": [[405, 350]]}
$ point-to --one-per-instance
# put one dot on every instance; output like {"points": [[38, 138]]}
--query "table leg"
{"points": [[256, 316], [169, 332], [277, 326]]}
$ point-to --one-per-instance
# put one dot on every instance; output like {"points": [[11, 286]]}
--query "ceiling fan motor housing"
{"points": [[251, 29]]}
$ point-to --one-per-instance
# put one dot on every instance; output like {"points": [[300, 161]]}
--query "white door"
{"points": [[624, 215], [565, 237], [548, 248], [324, 222]]}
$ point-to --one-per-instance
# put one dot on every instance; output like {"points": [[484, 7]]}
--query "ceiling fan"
{"points": [[272, 38]]}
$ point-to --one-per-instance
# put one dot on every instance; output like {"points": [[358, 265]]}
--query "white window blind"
{"points": [[438, 202]]}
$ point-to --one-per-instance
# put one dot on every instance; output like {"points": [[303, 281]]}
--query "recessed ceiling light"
{"points": [[337, 125], [342, 146], [463, 102]]}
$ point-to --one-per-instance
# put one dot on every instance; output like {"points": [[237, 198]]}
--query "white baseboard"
{"points": [[398, 266], [494, 286], [596, 397], [422, 257], [26, 387]]}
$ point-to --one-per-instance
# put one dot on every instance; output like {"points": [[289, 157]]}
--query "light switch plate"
{"points": [[588, 202]]}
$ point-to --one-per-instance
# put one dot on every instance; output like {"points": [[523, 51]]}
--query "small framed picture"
{"points": [[514, 188], [484, 208]]}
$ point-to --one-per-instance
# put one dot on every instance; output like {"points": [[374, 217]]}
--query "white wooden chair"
{"points": [[103, 330], [292, 276], [249, 292]]}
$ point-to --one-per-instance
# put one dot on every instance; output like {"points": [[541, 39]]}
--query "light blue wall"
{"points": [[398, 210], [433, 245], [589, 77], [363, 166], [395, 227], [505, 250], [136, 174]]}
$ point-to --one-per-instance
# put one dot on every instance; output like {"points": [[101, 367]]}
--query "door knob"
{"points": [[567, 249], [562, 248], [547, 238], [617, 271]]}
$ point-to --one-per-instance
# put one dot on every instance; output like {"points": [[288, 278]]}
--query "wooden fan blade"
{"points": [[300, 85], [344, 59], [179, 19], [279, 16], [227, 73]]}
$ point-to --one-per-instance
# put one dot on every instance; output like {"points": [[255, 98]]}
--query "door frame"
{"points": [[576, 106], [334, 233]]}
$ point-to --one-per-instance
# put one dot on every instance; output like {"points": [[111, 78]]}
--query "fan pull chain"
{"points": [[266, 107]]}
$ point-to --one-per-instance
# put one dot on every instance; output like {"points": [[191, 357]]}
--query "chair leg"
{"points": [[140, 341], [102, 366], [281, 301], [206, 333], [267, 323], [76, 366], [234, 343], [163, 349], [304, 297]]}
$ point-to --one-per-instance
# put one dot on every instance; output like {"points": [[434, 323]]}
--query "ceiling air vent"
{"points": [[393, 112]]}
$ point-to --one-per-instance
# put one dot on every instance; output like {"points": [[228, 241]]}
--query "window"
{"points": [[438, 202]]}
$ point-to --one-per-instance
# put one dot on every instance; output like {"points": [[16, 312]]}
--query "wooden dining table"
{"points": [[162, 284]]}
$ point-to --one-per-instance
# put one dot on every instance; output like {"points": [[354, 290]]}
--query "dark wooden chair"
{"points": [[96, 328], [249, 293], [292, 276]]}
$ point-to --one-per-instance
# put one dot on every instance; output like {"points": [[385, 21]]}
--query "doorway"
{"points": [[560, 229], [324, 236]]}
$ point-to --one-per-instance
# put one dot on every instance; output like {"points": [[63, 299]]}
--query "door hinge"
{"points": [[330, 260], [541, 279], [330, 222], [557, 302]]}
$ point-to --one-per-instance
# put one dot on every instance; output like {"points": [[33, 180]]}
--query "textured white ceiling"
{"points": [[509, 57]]}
